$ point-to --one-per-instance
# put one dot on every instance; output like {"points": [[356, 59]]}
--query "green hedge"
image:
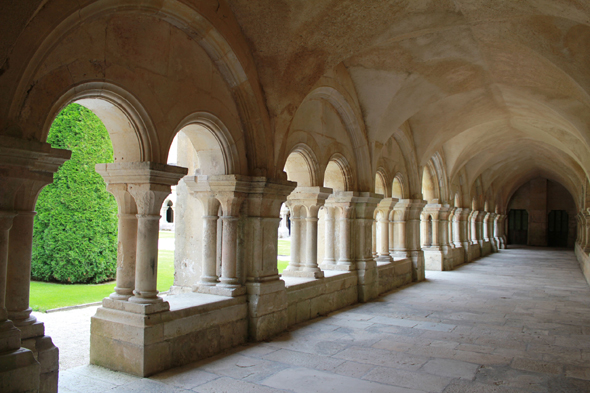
{"points": [[75, 234]]}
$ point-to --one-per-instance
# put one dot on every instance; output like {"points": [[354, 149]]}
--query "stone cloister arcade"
{"points": [[397, 149]]}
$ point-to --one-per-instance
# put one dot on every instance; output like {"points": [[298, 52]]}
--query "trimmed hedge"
{"points": [[75, 233]]}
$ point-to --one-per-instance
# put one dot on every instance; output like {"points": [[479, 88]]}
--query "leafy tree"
{"points": [[75, 233]]}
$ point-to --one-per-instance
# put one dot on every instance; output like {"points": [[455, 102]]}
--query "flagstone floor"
{"points": [[516, 321]]}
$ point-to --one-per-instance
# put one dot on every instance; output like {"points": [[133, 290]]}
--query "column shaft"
{"points": [[384, 237], [19, 269], [295, 260], [229, 252], [311, 260], [329, 236], [146, 269], [209, 272], [345, 241], [126, 254]]}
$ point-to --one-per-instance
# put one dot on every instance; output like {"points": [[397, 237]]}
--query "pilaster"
{"points": [[266, 293], [385, 207], [25, 168]]}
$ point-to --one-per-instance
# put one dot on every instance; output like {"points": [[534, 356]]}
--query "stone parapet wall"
{"points": [[584, 260], [486, 248], [394, 275], [196, 327], [309, 298]]}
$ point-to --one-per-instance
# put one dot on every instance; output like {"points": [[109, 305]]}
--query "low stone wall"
{"points": [[197, 326], [457, 255], [486, 248], [474, 252], [584, 260], [311, 298], [394, 275]]}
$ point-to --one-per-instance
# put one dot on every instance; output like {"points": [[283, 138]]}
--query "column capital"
{"points": [[312, 198], [148, 182], [26, 167]]}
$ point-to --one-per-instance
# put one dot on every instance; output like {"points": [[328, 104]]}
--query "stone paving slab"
{"points": [[516, 321]]}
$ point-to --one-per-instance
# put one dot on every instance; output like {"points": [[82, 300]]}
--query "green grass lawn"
{"points": [[46, 296], [284, 247]]}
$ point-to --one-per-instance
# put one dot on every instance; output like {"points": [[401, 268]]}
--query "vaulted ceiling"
{"points": [[501, 88]]}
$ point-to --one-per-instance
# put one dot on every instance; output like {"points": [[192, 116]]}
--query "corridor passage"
{"points": [[516, 321]]}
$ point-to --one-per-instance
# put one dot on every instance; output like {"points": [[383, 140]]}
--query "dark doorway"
{"points": [[518, 226], [557, 228], [169, 213]]}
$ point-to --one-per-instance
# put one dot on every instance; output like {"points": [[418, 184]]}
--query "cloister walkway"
{"points": [[516, 321]]}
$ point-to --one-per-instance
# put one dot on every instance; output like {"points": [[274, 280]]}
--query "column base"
{"points": [[221, 290], [135, 308], [303, 273], [342, 268], [47, 354], [267, 306], [384, 258], [19, 372]]}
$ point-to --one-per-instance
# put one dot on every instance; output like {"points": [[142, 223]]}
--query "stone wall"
{"points": [[310, 298], [196, 327], [539, 197]]}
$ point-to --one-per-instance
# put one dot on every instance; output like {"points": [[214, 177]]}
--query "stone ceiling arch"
{"points": [[234, 66], [354, 125], [302, 166], [130, 128], [216, 138]]}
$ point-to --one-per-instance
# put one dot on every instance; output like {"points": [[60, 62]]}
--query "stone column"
{"points": [[330, 229], [310, 199], [345, 238], [435, 230], [295, 260], [229, 276], [9, 335], [485, 227], [364, 205], [127, 238], [385, 207], [374, 231], [283, 229], [311, 260], [492, 232], [586, 229], [19, 272], [473, 227], [392, 232], [451, 227], [479, 228], [148, 184], [266, 292], [209, 246], [400, 212], [437, 255], [457, 227], [149, 199], [29, 360], [464, 233], [415, 207], [231, 203]]}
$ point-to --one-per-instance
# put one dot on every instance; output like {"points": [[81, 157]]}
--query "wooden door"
{"points": [[518, 226], [557, 228]]}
